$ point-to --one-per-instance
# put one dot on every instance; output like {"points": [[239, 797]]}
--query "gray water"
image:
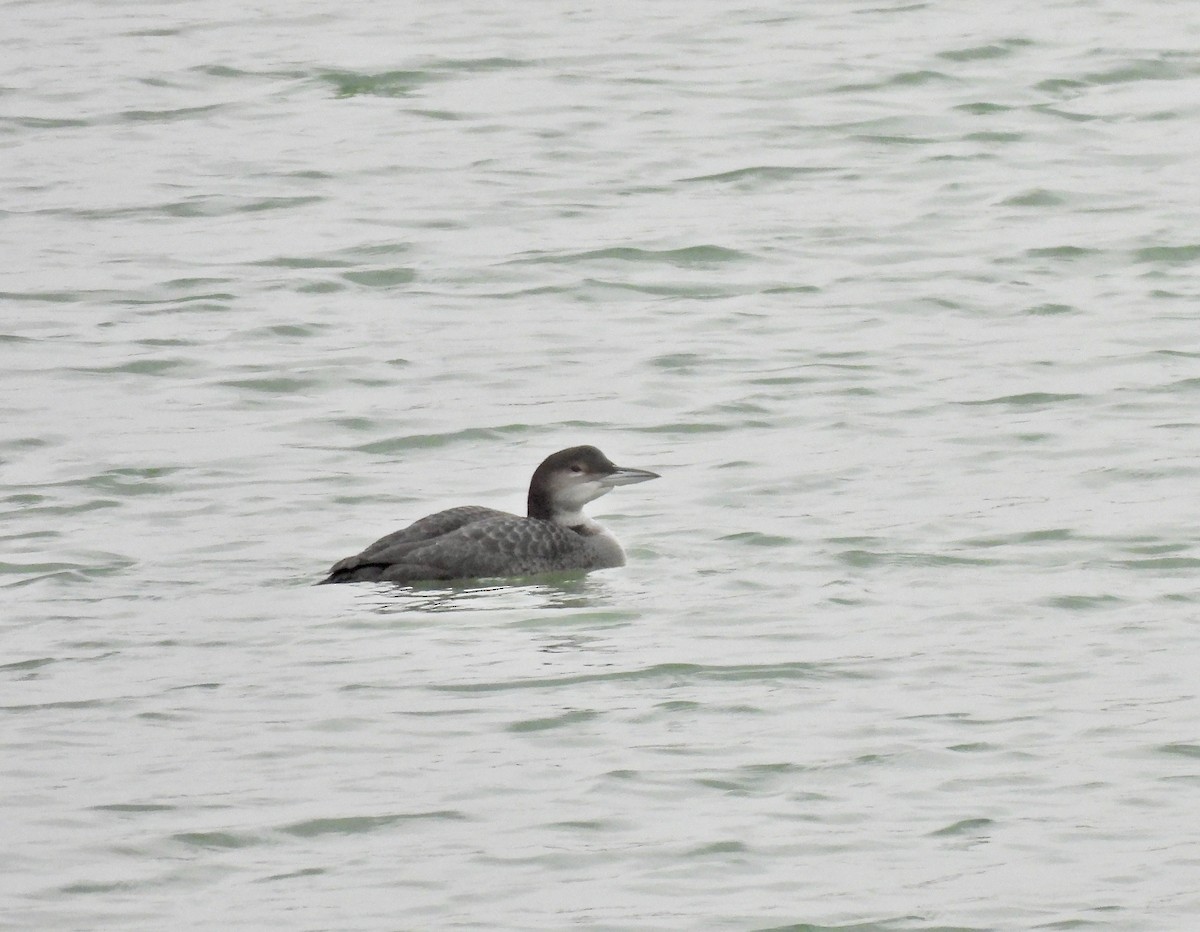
{"points": [[901, 300]]}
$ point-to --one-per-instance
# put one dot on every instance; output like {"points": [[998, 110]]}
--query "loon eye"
{"points": [[575, 467]]}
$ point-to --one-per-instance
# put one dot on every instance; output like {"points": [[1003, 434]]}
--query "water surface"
{"points": [[899, 298]]}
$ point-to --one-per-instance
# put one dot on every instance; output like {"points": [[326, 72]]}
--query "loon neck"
{"points": [[543, 507], [539, 505], [576, 520]]}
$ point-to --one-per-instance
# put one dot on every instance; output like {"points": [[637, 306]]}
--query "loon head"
{"points": [[569, 479]]}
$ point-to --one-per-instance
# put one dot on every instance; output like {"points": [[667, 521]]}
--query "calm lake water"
{"points": [[900, 299]]}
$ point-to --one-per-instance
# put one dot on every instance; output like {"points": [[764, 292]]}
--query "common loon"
{"points": [[473, 542]]}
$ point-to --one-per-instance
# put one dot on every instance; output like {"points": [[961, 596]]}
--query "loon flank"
{"points": [[473, 542]]}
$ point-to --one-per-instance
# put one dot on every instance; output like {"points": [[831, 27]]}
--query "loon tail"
{"points": [[385, 572]]}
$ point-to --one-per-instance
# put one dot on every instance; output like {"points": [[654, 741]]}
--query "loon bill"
{"points": [[473, 542]]}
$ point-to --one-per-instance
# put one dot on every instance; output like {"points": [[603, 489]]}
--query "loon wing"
{"points": [[431, 527], [499, 546], [496, 545]]}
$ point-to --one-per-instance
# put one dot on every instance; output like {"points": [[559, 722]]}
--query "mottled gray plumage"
{"points": [[473, 542]]}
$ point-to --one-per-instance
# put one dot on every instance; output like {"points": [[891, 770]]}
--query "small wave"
{"points": [[381, 278], [1172, 255], [689, 672], [684, 257], [358, 825], [1028, 398], [984, 52], [436, 441], [382, 84], [757, 174]]}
